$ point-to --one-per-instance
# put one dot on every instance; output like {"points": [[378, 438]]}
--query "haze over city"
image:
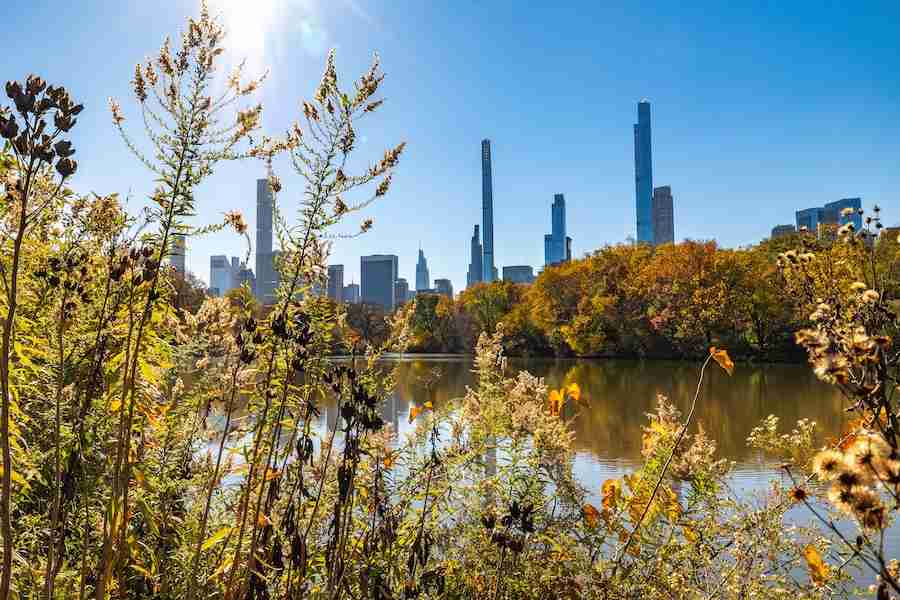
{"points": [[756, 113]]}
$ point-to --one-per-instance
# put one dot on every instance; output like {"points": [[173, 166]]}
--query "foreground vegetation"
{"points": [[152, 448]]}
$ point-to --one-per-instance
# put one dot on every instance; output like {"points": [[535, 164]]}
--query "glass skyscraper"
{"points": [[378, 276], [423, 279], [663, 212], [474, 274], [488, 270], [266, 277], [555, 250], [643, 174]]}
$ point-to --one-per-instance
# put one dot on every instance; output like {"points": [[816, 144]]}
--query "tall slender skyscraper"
{"points": [[423, 279], [266, 277], [474, 274], [555, 242], [179, 249], [643, 174], [488, 270]]}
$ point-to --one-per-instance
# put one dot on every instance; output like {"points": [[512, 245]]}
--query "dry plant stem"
{"points": [[665, 468]]}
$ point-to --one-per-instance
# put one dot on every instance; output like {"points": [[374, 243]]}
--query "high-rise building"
{"points": [[221, 278], [475, 262], [378, 274], [780, 231], [401, 291], [423, 279], [179, 250], [831, 214], [555, 242], [488, 270], [518, 274], [643, 174], [266, 275], [663, 211], [568, 249], [444, 286], [351, 293], [834, 212], [335, 282], [245, 275]]}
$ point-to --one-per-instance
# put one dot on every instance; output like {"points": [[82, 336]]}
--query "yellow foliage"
{"points": [[720, 355], [818, 569], [591, 515]]}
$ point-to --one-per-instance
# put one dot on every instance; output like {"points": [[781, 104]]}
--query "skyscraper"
{"points": [[833, 212], [518, 274], [780, 231], [474, 274], [351, 293], [555, 242], [266, 276], [379, 272], [179, 250], [423, 279], [220, 276], [336, 282], [444, 286], [663, 210], [401, 291], [488, 270], [643, 174]]}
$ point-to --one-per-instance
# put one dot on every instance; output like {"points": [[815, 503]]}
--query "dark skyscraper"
{"points": [[444, 286], [555, 247], [488, 270], [379, 274], [474, 274], [643, 174], [266, 277], [336, 282], [663, 216], [423, 279]]}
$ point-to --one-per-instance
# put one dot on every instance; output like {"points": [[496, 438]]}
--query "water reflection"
{"points": [[619, 393]]}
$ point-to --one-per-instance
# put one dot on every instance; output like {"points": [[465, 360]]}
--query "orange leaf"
{"points": [[721, 357], [388, 461], [612, 491], [818, 570], [555, 402], [591, 515], [574, 392], [414, 412]]}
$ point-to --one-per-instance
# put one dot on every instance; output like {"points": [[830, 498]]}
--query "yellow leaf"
{"points": [[612, 491], [115, 405], [720, 355], [428, 405], [574, 392], [690, 535], [591, 515], [216, 538], [263, 520], [818, 570]]}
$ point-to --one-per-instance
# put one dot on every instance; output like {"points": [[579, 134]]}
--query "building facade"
{"points": [[555, 250], [401, 291], [221, 278], [378, 275], [266, 274], [488, 270], [831, 214], [444, 286], [423, 279], [519, 274], [780, 231], [643, 174], [336, 282], [351, 293], [663, 211], [475, 262]]}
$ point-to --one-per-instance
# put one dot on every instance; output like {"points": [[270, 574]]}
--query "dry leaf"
{"points": [[720, 355], [612, 491], [216, 538], [591, 515]]}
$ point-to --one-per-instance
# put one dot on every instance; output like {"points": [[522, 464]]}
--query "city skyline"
{"points": [[756, 112]]}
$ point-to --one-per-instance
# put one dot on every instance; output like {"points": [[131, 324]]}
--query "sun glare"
{"points": [[247, 25]]}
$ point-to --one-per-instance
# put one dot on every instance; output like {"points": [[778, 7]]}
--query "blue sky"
{"points": [[758, 110]]}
